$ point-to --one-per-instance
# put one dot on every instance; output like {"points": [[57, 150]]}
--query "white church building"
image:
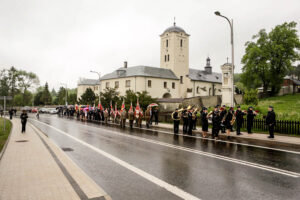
{"points": [[173, 79]]}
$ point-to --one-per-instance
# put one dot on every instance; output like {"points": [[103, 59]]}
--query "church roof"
{"points": [[141, 70], [202, 75], [175, 29], [85, 81]]}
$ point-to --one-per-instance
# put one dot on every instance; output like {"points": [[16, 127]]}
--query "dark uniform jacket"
{"points": [[271, 118], [239, 117]]}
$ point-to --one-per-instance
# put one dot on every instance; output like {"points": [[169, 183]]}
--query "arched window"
{"points": [[181, 43], [168, 57], [167, 43]]}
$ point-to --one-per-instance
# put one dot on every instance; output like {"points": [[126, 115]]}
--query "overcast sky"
{"points": [[62, 40]]}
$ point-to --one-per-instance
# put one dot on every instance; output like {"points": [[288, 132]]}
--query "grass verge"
{"points": [[4, 133]]}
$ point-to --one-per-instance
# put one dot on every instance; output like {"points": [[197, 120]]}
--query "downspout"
{"points": [[194, 89]]}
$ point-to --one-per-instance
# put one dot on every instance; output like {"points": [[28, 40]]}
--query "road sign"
{"points": [[6, 97]]}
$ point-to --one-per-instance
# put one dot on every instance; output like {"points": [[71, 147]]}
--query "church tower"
{"points": [[174, 54]]}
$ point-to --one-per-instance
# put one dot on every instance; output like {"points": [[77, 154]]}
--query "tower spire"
{"points": [[174, 21]]}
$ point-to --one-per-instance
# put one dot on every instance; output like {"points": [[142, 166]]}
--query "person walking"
{"points": [[155, 113], [148, 117], [176, 120], [271, 121], [190, 122], [24, 117], [250, 117], [239, 114], [10, 112], [204, 119], [38, 114]]}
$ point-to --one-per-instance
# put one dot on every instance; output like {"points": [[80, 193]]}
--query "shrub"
{"points": [[250, 97]]}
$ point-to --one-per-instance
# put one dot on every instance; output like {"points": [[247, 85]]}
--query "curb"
{"points": [[6, 143]]}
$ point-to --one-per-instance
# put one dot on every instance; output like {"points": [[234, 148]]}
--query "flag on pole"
{"points": [[137, 109], [111, 109], [130, 109], [116, 110], [123, 106]]}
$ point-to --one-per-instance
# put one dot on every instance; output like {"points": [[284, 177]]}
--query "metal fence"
{"points": [[282, 126]]}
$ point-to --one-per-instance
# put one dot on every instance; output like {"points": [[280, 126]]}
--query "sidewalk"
{"points": [[33, 167], [280, 139]]}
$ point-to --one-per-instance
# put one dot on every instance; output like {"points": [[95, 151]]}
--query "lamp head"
{"points": [[217, 13]]}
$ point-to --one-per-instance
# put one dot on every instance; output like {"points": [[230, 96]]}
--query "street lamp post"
{"points": [[232, 52], [66, 98], [99, 75]]}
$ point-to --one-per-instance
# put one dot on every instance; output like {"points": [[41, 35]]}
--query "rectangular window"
{"points": [[149, 83], [165, 84], [173, 85], [181, 79], [127, 83], [116, 84], [167, 44], [107, 84], [181, 43]]}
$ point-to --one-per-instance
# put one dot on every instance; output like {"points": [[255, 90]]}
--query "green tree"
{"points": [[251, 97], [145, 99], [72, 99], [46, 96], [88, 97], [61, 97], [110, 95], [269, 57], [27, 80]]}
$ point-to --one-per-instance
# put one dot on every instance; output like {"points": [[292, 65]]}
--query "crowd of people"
{"points": [[221, 118]]}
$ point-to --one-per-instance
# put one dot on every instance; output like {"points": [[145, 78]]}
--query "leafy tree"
{"points": [[88, 97], [72, 99], [268, 58], [61, 97], [251, 97], [145, 99], [25, 81], [110, 95], [46, 96], [38, 98]]}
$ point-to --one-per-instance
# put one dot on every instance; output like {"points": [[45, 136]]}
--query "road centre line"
{"points": [[233, 160], [171, 188]]}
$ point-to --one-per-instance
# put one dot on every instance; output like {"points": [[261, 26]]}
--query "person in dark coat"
{"points": [[222, 115], [185, 121], [190, 122], [271, 121], [239, 114], [228, 121], [250, 117], [204, 120], [11, 112], [216, 122], [194, 118], [176, 120], [24, 117], [155, 113]]}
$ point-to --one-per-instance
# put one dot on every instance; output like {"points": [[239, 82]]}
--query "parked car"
{"points": [[53, 111], [34, 110], [43, 110]]}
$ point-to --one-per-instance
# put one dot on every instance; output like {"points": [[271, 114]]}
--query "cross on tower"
{"points": [[174, 21], [227, 59]]}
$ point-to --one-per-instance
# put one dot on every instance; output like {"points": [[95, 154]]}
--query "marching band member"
{"points": [[190, 121], [148, 117], [176, 120], [204, 119], [185, 120], [222, 114], [250, 117], [228, 121], [271, 121], [239, 114], [216, 122]]}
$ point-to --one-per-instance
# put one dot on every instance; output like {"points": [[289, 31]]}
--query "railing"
{"points": [[282, 126]]}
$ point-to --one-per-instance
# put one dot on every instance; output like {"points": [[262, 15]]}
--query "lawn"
{"points": [[4, 134], [286, 107]]}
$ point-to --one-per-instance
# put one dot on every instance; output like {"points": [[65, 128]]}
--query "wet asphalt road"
{"points": [[203, 168]]}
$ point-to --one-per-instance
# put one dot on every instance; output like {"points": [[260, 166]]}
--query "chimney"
{"points": [[125, 64]]}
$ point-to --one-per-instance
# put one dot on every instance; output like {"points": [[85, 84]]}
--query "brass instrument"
{"points": [[179, 116], [210, 113], [233, 120]]}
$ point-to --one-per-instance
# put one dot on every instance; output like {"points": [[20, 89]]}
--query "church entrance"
{"points": [[167, 96]]}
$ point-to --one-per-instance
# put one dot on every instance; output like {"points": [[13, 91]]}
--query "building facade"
{"points": [[173, 79]]}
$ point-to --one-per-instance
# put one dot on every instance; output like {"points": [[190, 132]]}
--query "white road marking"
{"points": [[171, 188], [223, 141], [233, 160]]}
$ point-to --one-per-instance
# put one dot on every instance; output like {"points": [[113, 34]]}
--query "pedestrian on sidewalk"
{"points": [[155, 113], [176, 120], [24, 117], [271, 121], [11, 112], [239, 114]]}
